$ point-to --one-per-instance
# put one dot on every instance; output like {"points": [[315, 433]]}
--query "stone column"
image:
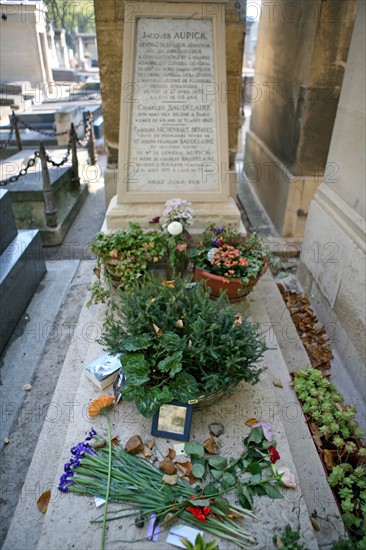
{"points": [[333, 262], [301, 54], [46, 59]]}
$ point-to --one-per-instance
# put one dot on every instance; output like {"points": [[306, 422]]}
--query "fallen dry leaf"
{"points": [[169, 284], [185, 467], [43, 501], [115, 441], [170, 453], [251, 421], [277, 382], [149, 443], [328, 459], [210, 446], [189, 478], [234, 515], [315, 523], [158, 330], [147, 452], [279, 543], [170, 479]]}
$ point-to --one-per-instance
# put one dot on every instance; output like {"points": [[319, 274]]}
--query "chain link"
{"points": [[7, 141], [84, 142], [31, 162], [44, 132], [62, 162]]}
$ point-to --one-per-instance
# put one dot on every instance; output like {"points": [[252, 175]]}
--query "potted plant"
{"points": [[123, 256], [227, 263], [176, 343]]}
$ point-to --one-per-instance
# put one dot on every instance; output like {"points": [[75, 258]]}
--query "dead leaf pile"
{"points": [[313, 335]]}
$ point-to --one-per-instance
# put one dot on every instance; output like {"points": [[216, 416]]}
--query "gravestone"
{"points": [[22, 267], [173, 126]]}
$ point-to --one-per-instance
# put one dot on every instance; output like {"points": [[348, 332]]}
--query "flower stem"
{"points": [[108, 480]]}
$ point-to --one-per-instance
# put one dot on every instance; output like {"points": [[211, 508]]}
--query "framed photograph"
{"points": [[173, 420]]}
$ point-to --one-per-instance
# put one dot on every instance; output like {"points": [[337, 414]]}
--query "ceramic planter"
{"points": [[235, 290]]}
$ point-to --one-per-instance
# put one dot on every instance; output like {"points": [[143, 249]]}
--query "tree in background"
{"points": [[69, 14]]}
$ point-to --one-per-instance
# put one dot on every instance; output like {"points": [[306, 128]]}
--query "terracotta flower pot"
{"points": [[235, 290]]}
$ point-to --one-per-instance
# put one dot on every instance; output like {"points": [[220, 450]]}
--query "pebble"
{"points": [[216, 429]]}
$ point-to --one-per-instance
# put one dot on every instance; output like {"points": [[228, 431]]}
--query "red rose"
{"points": [[275, 455]]}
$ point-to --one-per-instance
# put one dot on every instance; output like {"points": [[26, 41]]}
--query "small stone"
{"points": [[6, 440], [99, 444], [140, 521], [315, 524], [134, 445], [27, 387], [167, 466], [216, 429], [149, 443], [277, 382], [153, 459]]}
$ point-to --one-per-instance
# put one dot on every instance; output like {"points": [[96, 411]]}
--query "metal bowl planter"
{"points": [[204, 401]]}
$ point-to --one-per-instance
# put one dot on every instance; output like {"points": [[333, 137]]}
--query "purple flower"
{"points": [[218, 230], [155, 220], [90, 435], [215, 241], [65, 482]]}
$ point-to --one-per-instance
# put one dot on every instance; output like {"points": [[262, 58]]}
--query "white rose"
{"points": [[175, 228]]}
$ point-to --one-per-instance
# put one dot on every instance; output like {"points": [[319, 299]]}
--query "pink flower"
{"points": [[288, 478]]}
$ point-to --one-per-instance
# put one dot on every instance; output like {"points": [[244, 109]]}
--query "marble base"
{"points": [[118, 215]]}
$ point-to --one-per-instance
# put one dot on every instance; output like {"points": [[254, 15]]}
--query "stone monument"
{"points": [[173, 124]]}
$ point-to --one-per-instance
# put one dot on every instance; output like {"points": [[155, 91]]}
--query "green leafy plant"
{"points": [[253, 473], [223, 252], [179, 344], [200, 544], [325, 406], [123, 256], [289, 539], [350, 485]]}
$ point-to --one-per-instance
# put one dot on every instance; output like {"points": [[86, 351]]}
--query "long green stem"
{"points": [[108, 481]]}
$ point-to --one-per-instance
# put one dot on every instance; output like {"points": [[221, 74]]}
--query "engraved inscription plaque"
{"points": [[173, 143]]}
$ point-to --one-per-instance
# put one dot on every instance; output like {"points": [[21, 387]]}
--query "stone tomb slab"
{"points": [[27, 194]]}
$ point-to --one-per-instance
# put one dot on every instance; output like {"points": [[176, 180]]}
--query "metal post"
{"points": [[91, 145], [14, 122], [75, 163], [50, 209]]}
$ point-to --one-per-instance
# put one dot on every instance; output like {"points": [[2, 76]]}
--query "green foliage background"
{"points": [[68, 14]]}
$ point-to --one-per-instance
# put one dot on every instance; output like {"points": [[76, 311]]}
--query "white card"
{"points": [[182, 532], [99, 501]]}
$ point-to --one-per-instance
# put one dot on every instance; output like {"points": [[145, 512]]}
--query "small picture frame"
{"points": [[173, 421]]}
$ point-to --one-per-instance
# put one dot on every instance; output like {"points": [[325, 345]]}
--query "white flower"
{"points": [[211, 254], [175, 228]]}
